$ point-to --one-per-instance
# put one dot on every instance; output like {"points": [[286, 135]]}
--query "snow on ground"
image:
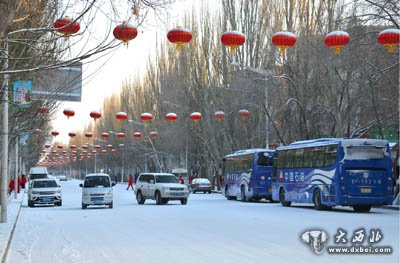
{"points": [[208, 229]]}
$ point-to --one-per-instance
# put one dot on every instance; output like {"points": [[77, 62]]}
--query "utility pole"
{"points": [[4, 150], [16, 169]]}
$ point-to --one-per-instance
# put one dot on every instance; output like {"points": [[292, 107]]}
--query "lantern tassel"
{"points": [[282, 50], [233, 48], [179, 46], [390, 48], [337, 50]]}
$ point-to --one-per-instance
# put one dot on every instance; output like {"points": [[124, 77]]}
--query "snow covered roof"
{"points": [[331, 141], [249, 151]]}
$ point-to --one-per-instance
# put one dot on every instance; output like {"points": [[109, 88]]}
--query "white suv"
{"points": [[44, 191], [161, 187]]}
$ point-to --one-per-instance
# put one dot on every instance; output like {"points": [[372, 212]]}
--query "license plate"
{"points": [[178, 194], [46, 199], [366, 190]]}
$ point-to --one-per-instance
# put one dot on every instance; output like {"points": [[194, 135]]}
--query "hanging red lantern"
{"points": [[171, 117], [283, 40], [337, 40], [103, 151], [146, 117], [113, 151], [72, 147], [109, 146], [137, 135], [59, 146], [125, 32], [180, 37], [55, 133], [233, 39], [94, 152], [153, 134], [105, 135], [85, 147], [195, 116], [72, 134], [64, 152], [65, 27], [121, 116], [47, 146], [121, 145], [121, 135], [244, 114], [389, 38], [88, 134], [95, 115], [44, 151], [43, 110], [219, 115], [97, 147], [69, 113], [84, 152]]}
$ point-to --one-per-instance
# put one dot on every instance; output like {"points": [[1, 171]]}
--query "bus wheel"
{"points": [[243, 197], [317, 200], [362, 208], [282, 198]]}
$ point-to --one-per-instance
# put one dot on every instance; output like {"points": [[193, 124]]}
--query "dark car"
{"points": [[200, 185]]}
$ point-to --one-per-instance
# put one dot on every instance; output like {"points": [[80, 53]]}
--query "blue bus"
{"points": [[330, 172], [247, 175]]}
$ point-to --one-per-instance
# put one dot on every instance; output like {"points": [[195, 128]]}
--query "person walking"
{"points": [[23, 181], [181, 180], [130, 182], [11, 186]]}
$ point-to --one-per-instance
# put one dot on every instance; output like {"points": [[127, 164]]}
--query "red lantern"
{"points": [[337, 40], [121, 145], [59, 146], [233, 39], [103, 151], [113, 151], [121, 116], [69, 113], [97, 147], [55, 133], [88, 134], [72, 147], [195, 116], [44, 151], [179, 36], [389, 38], [109, 146], [95, 115], [125, 32], [72, 134], [219, 115], [84, 152], [171, 117], [64, 26], [137, 135], [244, 114], [38, 131], [47, 146], [94, 152], [43, 110], [85, 147], [283, 40], [105, 135], [146, 117], [154, 134], [121, 135]]}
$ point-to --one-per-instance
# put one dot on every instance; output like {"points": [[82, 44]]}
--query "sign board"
{"points": [[64, 84], [22, 92]]}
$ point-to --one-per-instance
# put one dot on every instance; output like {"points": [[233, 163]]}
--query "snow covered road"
{"points": [[208, 229]]}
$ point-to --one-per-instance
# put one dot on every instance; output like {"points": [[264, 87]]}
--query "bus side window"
{"points": [[298, 158], [308, 157], [274, 163], [319, 156], [289, 159], [330, 155]]}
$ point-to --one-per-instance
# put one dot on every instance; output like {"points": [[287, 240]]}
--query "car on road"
{"points": [[38, 172], [200, 185], [44, 191], [162, 187], [97, 189]]}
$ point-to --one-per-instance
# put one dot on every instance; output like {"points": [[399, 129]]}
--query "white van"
{"points": [[38, 172], [97, 190]]}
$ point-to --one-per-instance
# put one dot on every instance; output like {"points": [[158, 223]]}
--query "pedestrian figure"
{"points": [[23, 181], [181, 180], [116, 179], [19, 184], [130, 182], [11, 186]]}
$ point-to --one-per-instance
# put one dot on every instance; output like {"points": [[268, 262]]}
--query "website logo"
{"points": [[316, 240]]}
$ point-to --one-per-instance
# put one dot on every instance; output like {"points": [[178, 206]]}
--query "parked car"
{"points": [[97, 190], [38, 173], [161, 187], [200, 185], [44, 191]]}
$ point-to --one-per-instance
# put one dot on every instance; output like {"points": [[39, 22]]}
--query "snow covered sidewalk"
{"points": [[6, 229]]}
